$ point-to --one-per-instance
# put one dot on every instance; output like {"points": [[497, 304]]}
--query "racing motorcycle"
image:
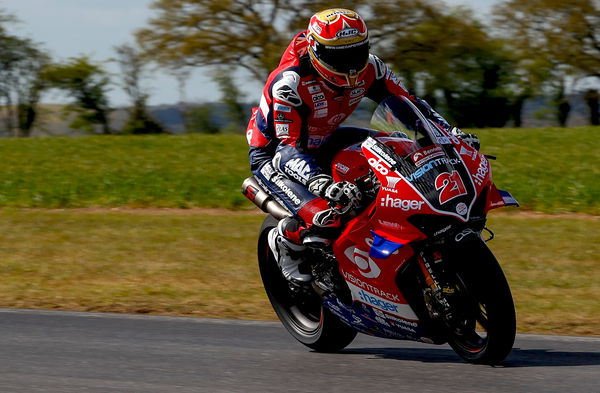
{"points": [[412, 261]]}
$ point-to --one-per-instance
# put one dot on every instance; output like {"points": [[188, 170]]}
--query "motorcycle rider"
{"points": [[322, 76]]}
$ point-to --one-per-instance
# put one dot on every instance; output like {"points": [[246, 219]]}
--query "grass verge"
{"points": [[164, 262], [549, 170]]}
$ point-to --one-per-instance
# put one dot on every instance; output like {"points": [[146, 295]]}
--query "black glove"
{"points": [[470, 139], [343, 193]]}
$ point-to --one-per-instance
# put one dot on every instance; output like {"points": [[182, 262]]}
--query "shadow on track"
{"points": [[549, 358], [426, 355], [517, 358]]}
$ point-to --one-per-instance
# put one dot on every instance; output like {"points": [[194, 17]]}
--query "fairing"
{"points": [[429, 182]]}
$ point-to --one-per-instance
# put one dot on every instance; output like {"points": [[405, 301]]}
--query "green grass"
{"points": [[549, 170], [170, 262], [161, 171]]}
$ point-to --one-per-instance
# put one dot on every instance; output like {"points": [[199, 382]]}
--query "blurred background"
{"points": [[148, 66]]}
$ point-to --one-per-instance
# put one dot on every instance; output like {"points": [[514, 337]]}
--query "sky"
{"points": [[69, 28]]}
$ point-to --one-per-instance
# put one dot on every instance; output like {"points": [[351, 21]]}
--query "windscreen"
{"points": [[429, 163]]}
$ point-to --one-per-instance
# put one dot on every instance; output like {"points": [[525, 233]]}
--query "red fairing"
{"points": [[478, 166], [350, 164], [494, 199]]}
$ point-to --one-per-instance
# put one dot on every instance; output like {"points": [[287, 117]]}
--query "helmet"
{"points": [[338, 46]]}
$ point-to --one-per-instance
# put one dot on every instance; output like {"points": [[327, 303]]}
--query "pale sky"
{"points": [[69, 28]]}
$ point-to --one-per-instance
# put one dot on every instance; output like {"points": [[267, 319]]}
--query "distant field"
{"points": [[167, 262], [550, 170]]}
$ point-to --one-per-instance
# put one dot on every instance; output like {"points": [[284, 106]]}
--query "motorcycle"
{"points": [[411, 262]]}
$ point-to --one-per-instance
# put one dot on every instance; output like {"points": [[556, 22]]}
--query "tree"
{"points": [[87, 83], [592, 99], [199, 119], [564, 33], [429, 45], [232, 97], [246, 33], [446, 55], [132, 72], [21, 61]]}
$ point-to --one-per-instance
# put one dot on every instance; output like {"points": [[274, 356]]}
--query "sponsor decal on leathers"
{"points": [[298, 169], [282, 108], [357, 92], [287, 191], [282, 119], [318, 97], [286, 89], [282, 130], [314, 89], [319, 113]]}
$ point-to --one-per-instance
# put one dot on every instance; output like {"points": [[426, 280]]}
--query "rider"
{"points": [[323, 75]]}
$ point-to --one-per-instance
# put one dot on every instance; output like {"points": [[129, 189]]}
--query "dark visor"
{"points": [[344, 58]]}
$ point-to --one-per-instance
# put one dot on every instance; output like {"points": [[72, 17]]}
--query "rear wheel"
{"points": [[484, 325], [300, 311]]}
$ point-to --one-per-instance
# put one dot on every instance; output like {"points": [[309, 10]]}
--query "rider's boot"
{"points": [[289, 255]]}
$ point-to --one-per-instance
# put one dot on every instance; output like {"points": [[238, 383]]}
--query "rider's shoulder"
{"points": [[285, 86], [379, 66]]}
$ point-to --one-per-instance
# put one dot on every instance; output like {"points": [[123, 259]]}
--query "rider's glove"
{"points": [[342, 193], [470, 139]]}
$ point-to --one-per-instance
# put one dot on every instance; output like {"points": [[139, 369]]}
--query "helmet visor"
{"points": [[344, 58]]}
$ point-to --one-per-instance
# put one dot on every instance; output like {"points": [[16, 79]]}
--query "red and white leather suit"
{"points": [[298, 115]]}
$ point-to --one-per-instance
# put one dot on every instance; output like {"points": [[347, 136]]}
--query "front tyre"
{"points": [[301, 312], [484, 327]]}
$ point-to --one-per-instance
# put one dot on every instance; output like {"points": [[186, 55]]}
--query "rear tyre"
{"points": [[301, 312], [485, 325]]}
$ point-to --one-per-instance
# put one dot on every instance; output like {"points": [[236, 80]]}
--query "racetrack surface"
{"points": [[55, 351]]}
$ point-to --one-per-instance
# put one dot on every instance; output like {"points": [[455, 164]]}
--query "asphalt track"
{"points": [[53, 351]]}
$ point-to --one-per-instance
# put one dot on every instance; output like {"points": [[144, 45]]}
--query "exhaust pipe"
{"points": [[253, 191]]}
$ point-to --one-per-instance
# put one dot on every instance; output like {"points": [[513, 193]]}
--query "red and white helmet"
{"points": [[338, 46]]}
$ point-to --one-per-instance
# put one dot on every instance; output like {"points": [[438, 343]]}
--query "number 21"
{"points": [[450, 186]]}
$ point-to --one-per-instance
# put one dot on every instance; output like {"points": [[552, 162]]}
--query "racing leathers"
{"points": [[295, 130]]}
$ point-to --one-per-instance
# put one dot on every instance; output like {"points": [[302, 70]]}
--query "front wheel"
{"points": [[484, 327], [301, 312]]}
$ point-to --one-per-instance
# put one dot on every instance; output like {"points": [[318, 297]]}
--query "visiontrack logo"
{"points": [[431, 165]]}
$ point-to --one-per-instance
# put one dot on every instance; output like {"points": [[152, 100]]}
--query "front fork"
{"points": [[436, 292]]}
